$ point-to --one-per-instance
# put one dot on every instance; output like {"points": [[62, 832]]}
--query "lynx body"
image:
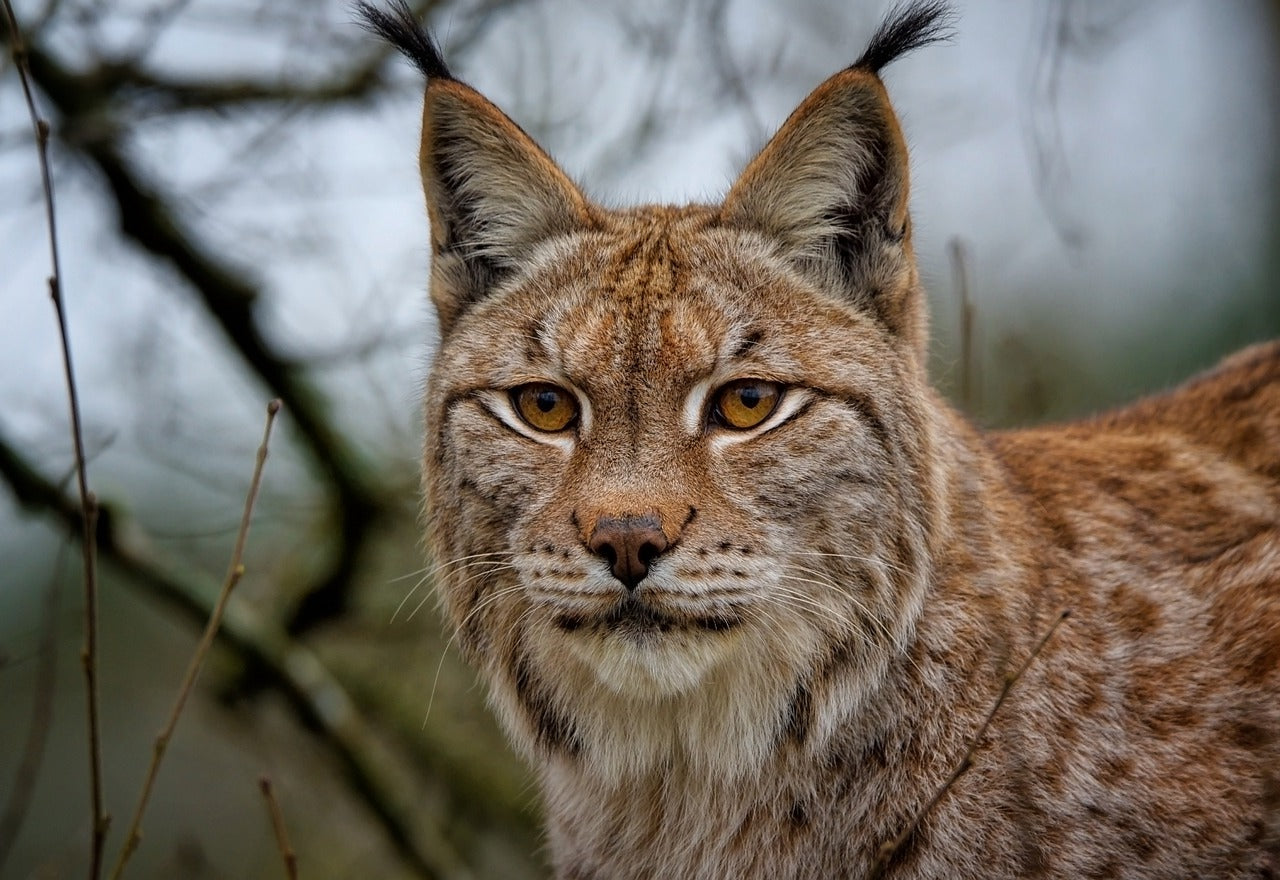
{"points": [[744, 588]]}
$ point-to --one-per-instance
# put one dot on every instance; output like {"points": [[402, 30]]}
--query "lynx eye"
{"points": [[545, 407], [745, 403]]}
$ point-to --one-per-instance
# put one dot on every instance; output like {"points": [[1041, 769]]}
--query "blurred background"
{"points": [[1097, 208]]}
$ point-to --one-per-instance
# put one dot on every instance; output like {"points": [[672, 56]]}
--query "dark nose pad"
{"points": [[629, 544]]}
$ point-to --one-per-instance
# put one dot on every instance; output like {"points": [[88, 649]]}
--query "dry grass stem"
{"points": [[235, 570], [891, 849], [277, 825], [88, 504]]}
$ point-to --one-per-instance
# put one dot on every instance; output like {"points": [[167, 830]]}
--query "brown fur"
{"points": [[844, 589]]}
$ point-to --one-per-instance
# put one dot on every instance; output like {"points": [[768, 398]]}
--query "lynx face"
{"points": [[674, 466]]}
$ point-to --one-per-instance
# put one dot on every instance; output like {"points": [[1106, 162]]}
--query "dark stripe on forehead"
{"points": [[612, 273], [535, 348], [637, 347], [747, 343], [678, 266]]}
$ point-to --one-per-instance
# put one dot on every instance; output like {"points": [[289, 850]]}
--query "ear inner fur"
{"points": [[831, 190], [492, 195]]}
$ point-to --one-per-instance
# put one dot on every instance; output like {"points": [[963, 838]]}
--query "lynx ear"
{"points": [[492, 193], [831, 187]]}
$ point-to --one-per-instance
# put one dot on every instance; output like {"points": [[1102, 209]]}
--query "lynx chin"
{"points": [[743, 587]]}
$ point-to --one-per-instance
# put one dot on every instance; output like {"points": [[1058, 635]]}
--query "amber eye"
{"points": [[746, 403], [545, 407]]}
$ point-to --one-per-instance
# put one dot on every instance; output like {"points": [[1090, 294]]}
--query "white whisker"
{"points": [[490, 567], [488, 600], [436, 569], [866, 615], [864, 560]]}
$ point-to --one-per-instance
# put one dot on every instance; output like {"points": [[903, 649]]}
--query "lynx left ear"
{"points": [[492, 193], [831, 187]]}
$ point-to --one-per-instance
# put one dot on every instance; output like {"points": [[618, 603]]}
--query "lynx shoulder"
{"points": [[745, 590]]}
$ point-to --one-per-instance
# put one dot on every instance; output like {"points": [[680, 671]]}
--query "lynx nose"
{"points": [[628, 544]]}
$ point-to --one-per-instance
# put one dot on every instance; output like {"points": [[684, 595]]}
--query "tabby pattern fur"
{"points": [[759, 651]]}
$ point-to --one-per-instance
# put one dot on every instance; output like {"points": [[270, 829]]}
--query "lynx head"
{"points": [[678, 460]]}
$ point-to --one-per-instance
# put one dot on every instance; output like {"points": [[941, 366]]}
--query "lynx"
{"points": [[744, 589]]}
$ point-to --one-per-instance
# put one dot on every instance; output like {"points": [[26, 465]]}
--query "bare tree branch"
{"points": [[277, 826], [229, 295], [97, 107], [166, 94]]}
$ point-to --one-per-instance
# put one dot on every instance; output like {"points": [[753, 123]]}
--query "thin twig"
{"points": [[235, 570], [88, 504], [277, 824], [892, 848]]}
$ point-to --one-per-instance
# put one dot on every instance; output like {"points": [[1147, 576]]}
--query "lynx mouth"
{"points": [[635, 616]]}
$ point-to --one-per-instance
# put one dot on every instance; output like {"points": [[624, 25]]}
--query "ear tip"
{"points": [[400, 27], [908, 26]]}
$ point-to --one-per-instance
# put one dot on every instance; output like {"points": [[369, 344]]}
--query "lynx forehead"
{"points": [[746, 590]]}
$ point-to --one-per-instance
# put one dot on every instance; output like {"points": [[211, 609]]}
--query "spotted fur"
{"points": [[845, 588]]}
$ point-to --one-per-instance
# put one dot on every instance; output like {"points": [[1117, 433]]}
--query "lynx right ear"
{"points": [[492, 193], [830, 189], [832, 183]]}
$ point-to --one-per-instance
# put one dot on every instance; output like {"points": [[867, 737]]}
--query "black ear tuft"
{"points": [[398, 26], [908, 26]]}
